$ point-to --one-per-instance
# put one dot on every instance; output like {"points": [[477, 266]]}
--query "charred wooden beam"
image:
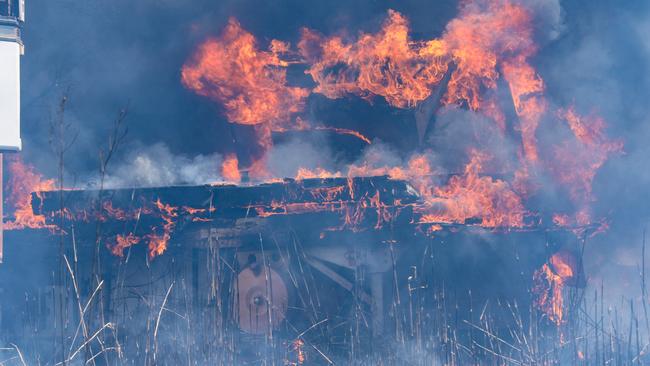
{"points": [[237, 214]]}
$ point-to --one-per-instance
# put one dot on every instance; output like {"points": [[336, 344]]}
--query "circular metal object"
{"points": [[263, 300]]}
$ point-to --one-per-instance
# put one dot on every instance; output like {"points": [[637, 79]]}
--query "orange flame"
{"points": [[158, 242], [468, 196], [122, 242], [472, 196], [550, 281], [298, 353], [302, 125], [490, 40], [160, 235], [23, 181], [230, 169], [304, 173], [158, 238], [388, 64], [404, 72], [344, 131], [249, 82]]}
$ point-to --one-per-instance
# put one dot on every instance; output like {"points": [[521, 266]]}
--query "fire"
{"points": [[465, 197], [561, 219], [158, 242], [109, 212], [249, 82], [122, 242], [526, 88], [344, 131], [297, 348], [23, 181], [302, 125], [304, 173], [158, 236], [472, 196], [404, 71], [480, 55], [488, 45], [230, 169], [328, 194], [387, 64], [489, 41], [550, 281]]}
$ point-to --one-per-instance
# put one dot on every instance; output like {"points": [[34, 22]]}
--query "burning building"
{"points": [[460, 252]]}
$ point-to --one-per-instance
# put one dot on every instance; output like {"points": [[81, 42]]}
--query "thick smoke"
{"points": [[156, 166], [308, 152]]}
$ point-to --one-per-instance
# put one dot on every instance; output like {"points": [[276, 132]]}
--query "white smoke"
{"points": [[311, 152], [156, 165]]}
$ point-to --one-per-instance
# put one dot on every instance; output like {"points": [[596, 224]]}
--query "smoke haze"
{"points": [[594, 54]]}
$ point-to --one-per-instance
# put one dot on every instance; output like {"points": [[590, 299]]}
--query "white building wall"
{"points": [[10, 96]]}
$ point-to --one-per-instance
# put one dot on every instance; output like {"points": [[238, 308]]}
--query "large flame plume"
{"points": [[249, 82], [490, 43]]}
